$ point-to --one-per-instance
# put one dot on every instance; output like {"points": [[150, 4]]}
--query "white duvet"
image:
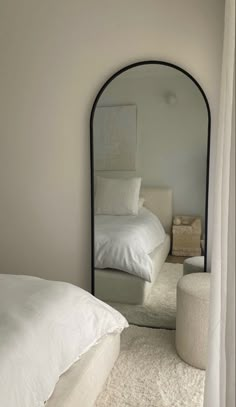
{"points": [[125, 242], [45, 327]]}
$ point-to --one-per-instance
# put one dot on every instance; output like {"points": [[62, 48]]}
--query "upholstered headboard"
{"points": [[160, 202]]}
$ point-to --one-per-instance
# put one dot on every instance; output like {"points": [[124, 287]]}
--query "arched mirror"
{"points": [[150, 130]]}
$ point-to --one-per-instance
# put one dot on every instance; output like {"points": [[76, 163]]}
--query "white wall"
{"points": [[55, 55], [171, 139]]}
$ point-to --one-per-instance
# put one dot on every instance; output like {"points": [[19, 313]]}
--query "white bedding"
{"points": [[125, 242], [45, 327]]}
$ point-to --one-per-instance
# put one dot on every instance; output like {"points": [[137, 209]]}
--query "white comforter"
{"points": [[125, 242], [45, 327]]}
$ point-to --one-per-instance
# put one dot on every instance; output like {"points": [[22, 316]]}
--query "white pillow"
{"points": [[141, 202], [116, 196]]}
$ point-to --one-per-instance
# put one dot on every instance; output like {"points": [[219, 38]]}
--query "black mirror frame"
{"points": [[120, 71]]}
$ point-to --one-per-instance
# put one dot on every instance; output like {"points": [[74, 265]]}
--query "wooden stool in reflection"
{"points": [[186, 236]]}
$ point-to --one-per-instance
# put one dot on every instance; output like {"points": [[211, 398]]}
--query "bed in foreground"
{"points": [[46, 329]]}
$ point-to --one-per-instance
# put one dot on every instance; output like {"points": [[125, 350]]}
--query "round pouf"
{"points": [[194, 265], [193, 292]]}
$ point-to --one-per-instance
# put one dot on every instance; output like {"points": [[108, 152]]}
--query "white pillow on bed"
{"points": [[115, 196], [141, 202]]}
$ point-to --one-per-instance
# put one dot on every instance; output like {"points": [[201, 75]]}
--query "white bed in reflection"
{"points": [[113, 285]]}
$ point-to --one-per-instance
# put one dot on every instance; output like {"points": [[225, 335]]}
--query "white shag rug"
{"points": [[149, 373], [159, 310]]}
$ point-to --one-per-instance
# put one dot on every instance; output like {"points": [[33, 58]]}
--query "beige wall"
{"points": [[54, 57]]}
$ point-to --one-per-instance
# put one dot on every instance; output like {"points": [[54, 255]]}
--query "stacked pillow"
{"points": [[115, 196]]}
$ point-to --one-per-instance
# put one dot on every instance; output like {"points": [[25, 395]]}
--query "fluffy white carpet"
{"points": [[159, 310], [149, 373]]}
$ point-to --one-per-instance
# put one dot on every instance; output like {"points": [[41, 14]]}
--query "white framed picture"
{"points": [[115, 138]]}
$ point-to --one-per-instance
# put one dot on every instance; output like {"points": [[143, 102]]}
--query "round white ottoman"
{"points": [[194, 265], [193, 293]]}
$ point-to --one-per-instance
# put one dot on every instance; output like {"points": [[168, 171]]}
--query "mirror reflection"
{"points": [[150, 136]]}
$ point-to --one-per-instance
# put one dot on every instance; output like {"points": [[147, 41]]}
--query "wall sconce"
{"points": [[171, 98]]}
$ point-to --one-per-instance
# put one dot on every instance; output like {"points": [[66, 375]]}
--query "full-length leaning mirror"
{"points": [[150, 129]]}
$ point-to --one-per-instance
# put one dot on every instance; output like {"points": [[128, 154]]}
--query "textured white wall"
{"points": [[55, 55], [171, 139]]}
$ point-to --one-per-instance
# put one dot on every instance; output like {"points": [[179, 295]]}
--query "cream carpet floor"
{"points": [[149, 373], [159, 310]]}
